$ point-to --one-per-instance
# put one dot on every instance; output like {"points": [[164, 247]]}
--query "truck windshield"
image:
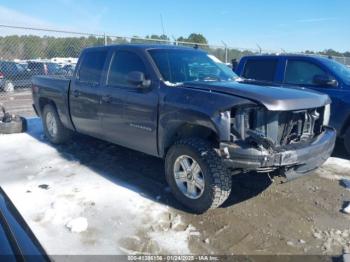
{"points": [[178, 66], [341, 70]]}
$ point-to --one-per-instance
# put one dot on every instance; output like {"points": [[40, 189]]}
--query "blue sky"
{"points": [[290, 25]]}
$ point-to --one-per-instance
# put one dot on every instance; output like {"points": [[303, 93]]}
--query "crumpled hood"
{"points": [[272, 97]]}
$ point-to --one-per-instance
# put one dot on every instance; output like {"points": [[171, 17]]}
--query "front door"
{"points": [[301, 72], [130, 112]]}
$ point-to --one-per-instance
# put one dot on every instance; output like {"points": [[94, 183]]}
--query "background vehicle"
{"points": [[66, 70], [43, 68], [318, 73], [13, 75], [17, 242], [185, 106]]}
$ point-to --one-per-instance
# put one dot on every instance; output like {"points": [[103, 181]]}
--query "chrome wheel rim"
{"points": [[189, 177], [51, 124]]}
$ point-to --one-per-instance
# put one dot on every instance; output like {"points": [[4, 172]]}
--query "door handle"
{"points": [[107, 99], [76, 93]]}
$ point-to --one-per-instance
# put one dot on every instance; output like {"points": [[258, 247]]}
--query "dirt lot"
{"points": [[122, 197]]}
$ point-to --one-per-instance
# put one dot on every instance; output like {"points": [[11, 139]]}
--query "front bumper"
{"points": [[295, 159]]}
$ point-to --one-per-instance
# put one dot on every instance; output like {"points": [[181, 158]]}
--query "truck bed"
{"points": [[55, 89]]}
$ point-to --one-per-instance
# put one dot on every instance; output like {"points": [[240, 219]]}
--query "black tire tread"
{"points": [[222, 181], [64, 134]]}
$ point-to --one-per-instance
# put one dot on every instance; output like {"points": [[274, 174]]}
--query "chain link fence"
{"points": [[26, 52]]}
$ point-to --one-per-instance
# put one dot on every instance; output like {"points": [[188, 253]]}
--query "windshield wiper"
{"points": [[254, 81]]}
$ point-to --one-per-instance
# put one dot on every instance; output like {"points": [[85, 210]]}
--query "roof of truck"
{"points": [[314, 56], [148, 46]]}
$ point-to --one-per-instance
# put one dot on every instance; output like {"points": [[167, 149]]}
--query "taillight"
{"points": [[1, 75]]}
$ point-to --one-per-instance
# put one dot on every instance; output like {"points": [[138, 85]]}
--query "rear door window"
{"points": [[262, 70], [124, 62], [92, 66], [301, 72]]}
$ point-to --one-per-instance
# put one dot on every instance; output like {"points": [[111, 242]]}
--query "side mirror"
{"points": [[325, 80], [138, 79]]}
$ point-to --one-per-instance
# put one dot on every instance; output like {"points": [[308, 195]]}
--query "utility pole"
{"points": [[226, 51], [259, 48], [105, 38], [175, 40]]}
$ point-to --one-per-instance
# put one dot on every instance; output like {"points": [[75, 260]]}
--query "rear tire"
{"points": [[347, 140], [213, 178], [53, 127]]}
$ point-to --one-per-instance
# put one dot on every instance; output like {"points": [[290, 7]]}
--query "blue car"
{"points": [[305, 71], [17, 241]]}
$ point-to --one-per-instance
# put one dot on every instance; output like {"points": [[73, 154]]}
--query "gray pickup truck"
{"points": [[185, 106]]}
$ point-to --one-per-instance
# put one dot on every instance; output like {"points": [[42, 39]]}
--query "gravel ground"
{"points": [[266, 217], [18, 102]]}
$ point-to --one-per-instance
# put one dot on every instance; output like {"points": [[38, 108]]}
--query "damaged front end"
{"points": [[293, 142]]}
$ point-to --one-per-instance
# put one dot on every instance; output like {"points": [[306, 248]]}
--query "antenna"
{"points": [[226, 54], [161, 21]]}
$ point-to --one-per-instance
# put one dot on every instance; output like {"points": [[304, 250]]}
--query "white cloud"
{"points": [[315, 20], [12, 17]]}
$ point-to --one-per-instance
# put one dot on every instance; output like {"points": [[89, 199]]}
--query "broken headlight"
{"points": [[244, 120]]}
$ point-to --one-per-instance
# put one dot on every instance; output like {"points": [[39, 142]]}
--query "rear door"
{"points": [[130, 112], [261, 69], [85, 93]]}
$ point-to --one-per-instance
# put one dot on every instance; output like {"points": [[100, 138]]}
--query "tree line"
{"points": [[33, 47]]}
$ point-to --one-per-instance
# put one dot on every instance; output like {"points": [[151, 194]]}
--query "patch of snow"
{"points": [[347, 209], [346, 258], [176, 242], [113, 209], [290, 243], [335, 168], [77, 225]]}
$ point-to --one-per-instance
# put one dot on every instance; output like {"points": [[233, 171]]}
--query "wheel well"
{"points": [[189, 130], [43, 102]]}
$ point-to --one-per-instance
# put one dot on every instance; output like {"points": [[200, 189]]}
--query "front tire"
{"points": [[53, 127], [197, 175]]}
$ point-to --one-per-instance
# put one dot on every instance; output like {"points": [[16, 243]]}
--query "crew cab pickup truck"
{"points": [[185, 106], [305, 71]]}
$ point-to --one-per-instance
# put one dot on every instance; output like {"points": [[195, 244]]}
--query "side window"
{"points": [[302, 73], [92, 66], [124, 62], [262, 70]]}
